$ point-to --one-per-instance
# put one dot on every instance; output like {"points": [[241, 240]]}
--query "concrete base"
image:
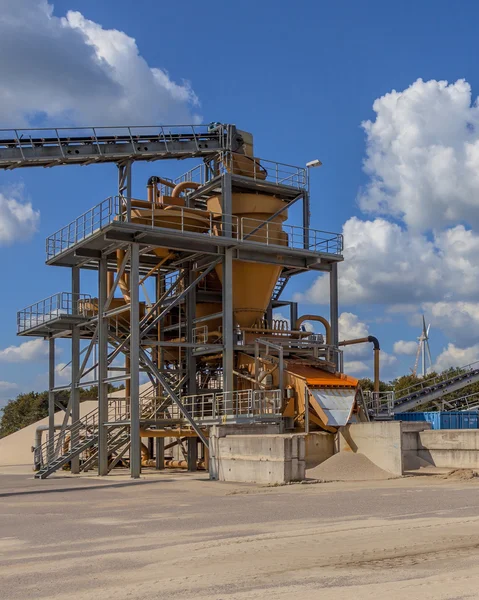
{"points": [[266, 458], [319, 446], [451, 448], [410, 431], [380, 441]]}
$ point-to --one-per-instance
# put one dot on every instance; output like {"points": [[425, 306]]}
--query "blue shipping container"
{"points": [[453, 419]]}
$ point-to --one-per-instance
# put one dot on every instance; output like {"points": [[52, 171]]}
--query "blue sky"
{"points": [[302, 77]]}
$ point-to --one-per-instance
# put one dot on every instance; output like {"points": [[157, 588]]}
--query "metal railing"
{"points": [[291, 236], [259, 169], [86, 225], [229, 406], [442, 378], [193, 221], [53, 307], [379, 403], [82, 145]]}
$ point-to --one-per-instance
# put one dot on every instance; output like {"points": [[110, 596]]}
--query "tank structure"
{"points": [[188, 278]]}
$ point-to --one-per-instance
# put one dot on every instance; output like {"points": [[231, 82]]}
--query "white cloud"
{"points": [[387, 360], [452, 356], [63, 372], [6, 387], [423, 155], [403, 347], [356, 367], [458, 320], [352, 328], [31, 351], [70, 69], [18, 220], [387, 264]]}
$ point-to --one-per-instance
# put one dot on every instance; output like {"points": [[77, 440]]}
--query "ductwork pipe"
{"points": [[184, 185], [322, 320], [152, 187], [372, 340]]}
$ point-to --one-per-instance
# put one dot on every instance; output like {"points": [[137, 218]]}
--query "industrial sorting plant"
{"points": [[188, 279]]}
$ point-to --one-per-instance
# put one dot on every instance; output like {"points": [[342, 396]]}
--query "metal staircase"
{"points": [[279, 287], [56, 453]]}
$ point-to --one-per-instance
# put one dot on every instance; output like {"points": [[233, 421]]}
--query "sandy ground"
{"points": [[175, 536]]}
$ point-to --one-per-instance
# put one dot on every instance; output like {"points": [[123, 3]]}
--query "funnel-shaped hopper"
{"points": [[253, 285]]}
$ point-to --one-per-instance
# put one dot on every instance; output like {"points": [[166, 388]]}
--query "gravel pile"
{"points": [[348, 466]]}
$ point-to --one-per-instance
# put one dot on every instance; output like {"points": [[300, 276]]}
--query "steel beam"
{"points": [[228, 319], [159, 454], [334, 306], [102, 370], [75, 368], [135, 445], [51, 398]]}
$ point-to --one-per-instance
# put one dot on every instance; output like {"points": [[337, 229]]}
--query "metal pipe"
{"points": [[372, 340], [319, 318], [184, 185]]}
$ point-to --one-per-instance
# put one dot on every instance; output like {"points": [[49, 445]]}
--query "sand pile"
{"points": [[348, 466], [460, 474]]}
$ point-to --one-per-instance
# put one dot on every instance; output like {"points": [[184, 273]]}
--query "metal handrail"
{"points": [[435, 380], [193, 220], [52, 307], [260, 169]]}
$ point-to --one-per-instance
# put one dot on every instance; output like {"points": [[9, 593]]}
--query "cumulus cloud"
{"points": [[387, 264], [71, 69], [407, 348], [18, 220], [422, 155], [356, 367], [452, 356], [31, 351]]}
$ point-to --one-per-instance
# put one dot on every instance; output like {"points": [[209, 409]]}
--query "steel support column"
{"points": [[306, 219], [135, 446], [51, 397], [102, 370], [334, 305], [192, 445], [190, 324], [228, 322], [75, 367], [160, 454]]}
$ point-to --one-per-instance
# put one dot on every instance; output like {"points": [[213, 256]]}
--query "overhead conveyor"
{"points": [[89, 145]]}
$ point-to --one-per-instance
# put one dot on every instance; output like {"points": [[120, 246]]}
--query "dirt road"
{"points": [[180, 536]]}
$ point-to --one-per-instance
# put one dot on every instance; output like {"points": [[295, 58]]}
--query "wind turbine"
{"points": [[423, 349]]}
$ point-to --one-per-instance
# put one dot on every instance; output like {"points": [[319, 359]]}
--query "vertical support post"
{"points": [[124, 186], [75, 367], [293, 314], [135, 440], [306, 410], [192, 445], [51, 398], [334, 306], [306, 219], [256, 363], [269, 316], [160, 454], [190, 317], [102, 370], [228, 322]]}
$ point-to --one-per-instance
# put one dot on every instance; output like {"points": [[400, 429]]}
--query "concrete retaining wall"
{"points": [[410, 443], [266, 458], [380, 441], [450, 448], [319, 446]]}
